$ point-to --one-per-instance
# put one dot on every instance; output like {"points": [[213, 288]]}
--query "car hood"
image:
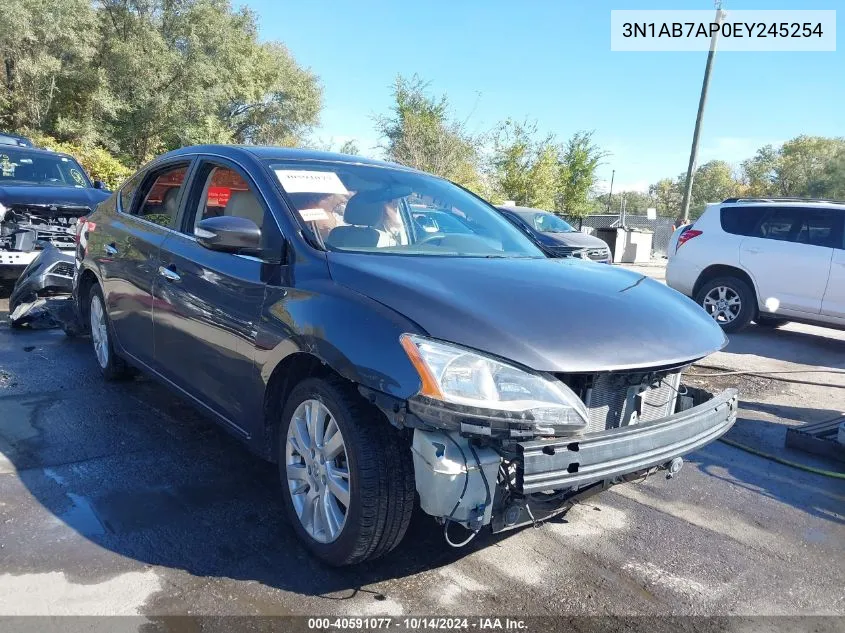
{"points": [[59, 196], [563, 315], [573, 239]]}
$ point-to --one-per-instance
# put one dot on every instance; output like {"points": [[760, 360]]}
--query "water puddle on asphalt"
{"points": [[82, 517]]}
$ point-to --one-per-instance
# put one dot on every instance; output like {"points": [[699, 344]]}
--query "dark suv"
{"points": [[293, 297], [556, 235]]}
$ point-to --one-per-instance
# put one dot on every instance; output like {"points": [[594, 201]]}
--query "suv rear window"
{"points": [[818, 227], [741, 220]]}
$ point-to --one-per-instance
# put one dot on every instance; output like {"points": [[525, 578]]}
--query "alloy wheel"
{"points": [[99, 331], [723, 304], [317, 471]]}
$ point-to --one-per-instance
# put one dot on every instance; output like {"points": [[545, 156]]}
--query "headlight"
{"points": [[491, 392]]}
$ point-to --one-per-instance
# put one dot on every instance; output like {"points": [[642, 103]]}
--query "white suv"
{"points": [[767, 261]]}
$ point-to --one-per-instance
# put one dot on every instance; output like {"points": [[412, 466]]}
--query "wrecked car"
{"points": [[42, 193], [291, 296], [38, 298]]}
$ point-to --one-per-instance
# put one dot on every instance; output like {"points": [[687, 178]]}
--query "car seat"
{"points": [[361, 216], [243, 204]]}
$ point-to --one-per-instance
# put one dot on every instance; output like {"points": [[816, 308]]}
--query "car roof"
{"points": [[738, 203], [267, 152], [36, 150], [20, 141]]}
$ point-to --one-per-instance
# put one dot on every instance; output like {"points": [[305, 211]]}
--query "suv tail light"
{"points": [[686, 236]]}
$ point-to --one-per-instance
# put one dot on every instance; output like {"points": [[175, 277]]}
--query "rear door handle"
{"points": [[752, 251], [110, 249], [168, 273]]}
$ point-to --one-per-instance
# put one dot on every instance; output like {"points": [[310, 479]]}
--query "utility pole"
{"points": [[610, 195], [693, 157]]}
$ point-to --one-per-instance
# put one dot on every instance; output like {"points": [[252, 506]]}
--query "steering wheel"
{"points": [[430, 238]]}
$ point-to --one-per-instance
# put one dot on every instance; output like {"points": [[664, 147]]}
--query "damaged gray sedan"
{"points": [[291, 296]]}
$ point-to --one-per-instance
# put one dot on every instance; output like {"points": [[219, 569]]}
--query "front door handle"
{"points": [[168, 273], [110, 249], [752, 251]]}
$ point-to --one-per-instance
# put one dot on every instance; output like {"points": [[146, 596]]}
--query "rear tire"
{"points": [[376, 460], [111, 365], [729, 301]]}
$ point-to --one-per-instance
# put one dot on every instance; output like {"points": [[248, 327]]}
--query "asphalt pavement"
{"points": [[118, 498]]}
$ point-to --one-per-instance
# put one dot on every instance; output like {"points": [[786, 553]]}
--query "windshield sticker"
{"points": [[77, 176], [311, 215], [64, 160], [7, 167], [300, 181], [26, 161]]}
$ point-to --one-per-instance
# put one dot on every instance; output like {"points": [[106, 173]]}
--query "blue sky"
{"points": [[550, 61]]}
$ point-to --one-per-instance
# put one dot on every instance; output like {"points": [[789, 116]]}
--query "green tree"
{"points": [[349, 147], [47, 67], [524, 169], [713, 182], [804, 166], [760, 173], [139, 77], [804, 161], [579, 161], [668, 195], [831, 182], [421, 132], [193, 71]]}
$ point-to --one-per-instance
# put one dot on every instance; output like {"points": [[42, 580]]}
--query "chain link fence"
{"points": [[660, 226]]}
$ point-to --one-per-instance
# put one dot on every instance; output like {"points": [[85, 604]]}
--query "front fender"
{"points": [[356, 336]]}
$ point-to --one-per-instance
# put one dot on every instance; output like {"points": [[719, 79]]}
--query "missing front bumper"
{"points": [[562, 463]]}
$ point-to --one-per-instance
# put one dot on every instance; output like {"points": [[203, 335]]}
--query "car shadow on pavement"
{"points": [[791, 346], [811, 493], [137, 472]]}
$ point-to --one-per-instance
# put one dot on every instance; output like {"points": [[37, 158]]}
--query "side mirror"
{"points": [[99, 184], [230, 234]]}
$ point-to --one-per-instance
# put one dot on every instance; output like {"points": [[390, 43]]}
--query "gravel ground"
{"points": [[120, 499]]}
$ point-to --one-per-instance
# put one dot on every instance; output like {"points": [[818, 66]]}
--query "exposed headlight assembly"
{"points": [[465, 390]]}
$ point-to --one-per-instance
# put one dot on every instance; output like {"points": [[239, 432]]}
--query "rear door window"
{"points": [[161, 194], [821, 227], [781, 224], [127, 192]]}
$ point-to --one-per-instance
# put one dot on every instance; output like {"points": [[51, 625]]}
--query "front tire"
{"points": [[111, 365], [729, 301], [347, 475]]}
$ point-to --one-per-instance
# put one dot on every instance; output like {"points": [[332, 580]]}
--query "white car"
{"points": [[768, 261]]}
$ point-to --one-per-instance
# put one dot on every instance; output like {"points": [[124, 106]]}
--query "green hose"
{"points": [[780, 460]]}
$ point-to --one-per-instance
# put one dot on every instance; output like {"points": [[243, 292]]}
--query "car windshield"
{"points": [[373, 209], [19, 166], [550, 223]]}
